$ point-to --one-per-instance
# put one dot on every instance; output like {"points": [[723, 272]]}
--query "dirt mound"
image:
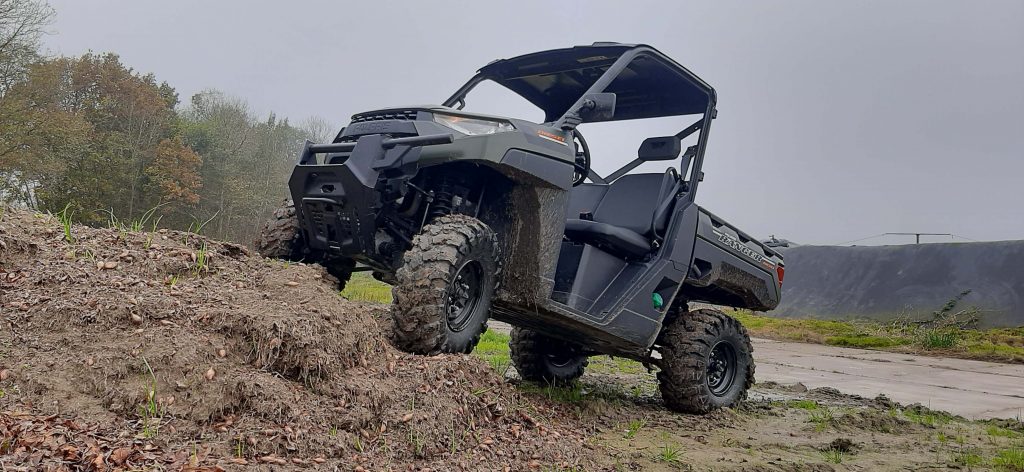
{"points": [[124, 349]]}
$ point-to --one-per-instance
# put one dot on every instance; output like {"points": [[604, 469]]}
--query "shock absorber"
{"points": [[443, 200]]}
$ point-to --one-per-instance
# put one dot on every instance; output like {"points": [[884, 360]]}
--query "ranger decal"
{"points": [[736, 245]]}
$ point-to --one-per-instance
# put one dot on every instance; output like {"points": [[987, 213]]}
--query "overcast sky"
{"points": [[836, 120]]}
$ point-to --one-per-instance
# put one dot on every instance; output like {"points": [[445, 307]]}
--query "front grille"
{"points": [[407, 115]]}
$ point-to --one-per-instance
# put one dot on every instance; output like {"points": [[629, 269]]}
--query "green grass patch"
{"points": [[362, 287], [615, 365], [1001, 345], [990, 350], [926, 417], [802, 330], [571, 394], [822, 418], [967, 458], [940, 338], [670, 454], [632, 428], [833, 455], [1010, 459], [999, 432], [493, 348], [66, 223], [803, 404]]}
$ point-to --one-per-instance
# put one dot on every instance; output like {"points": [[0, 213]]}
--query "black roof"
{"points": [[652, 85]]}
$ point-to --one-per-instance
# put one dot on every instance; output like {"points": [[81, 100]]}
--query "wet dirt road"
{"points": [[973, 389]]}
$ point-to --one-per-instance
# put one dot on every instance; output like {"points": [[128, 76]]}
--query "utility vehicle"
{"points": [[474, 217]]}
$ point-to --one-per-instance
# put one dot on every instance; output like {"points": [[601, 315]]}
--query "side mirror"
{"points": [[665, 148], [597, 107]]}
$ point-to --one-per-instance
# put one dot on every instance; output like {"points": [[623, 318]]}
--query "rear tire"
{"points": [[706, 361], [444, 287], [539, 358], [280, 238]]}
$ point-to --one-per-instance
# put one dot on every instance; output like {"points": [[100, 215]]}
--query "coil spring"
{"points": [[443, 200]]}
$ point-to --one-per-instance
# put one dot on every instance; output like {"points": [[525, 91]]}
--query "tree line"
{"points": [[91, 136]]}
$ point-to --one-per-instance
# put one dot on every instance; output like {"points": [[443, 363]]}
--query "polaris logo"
{"points": [[736, 245]]}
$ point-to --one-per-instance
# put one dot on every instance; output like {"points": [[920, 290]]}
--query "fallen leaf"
{"points": [[110, 265], [120, 455], [98, 463], [291, 283], [273, 460]]}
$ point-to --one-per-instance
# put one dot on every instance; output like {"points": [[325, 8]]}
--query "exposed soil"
{"points": [[168, 351], [785, 428], [180, 352]]}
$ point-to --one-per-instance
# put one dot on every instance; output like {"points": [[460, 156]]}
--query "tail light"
{"points": [[781, 271]]}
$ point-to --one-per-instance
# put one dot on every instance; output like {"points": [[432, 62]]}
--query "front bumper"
{"points": [[338, 196]]}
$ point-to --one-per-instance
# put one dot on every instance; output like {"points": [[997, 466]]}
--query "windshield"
{"points": [[490, 98]]}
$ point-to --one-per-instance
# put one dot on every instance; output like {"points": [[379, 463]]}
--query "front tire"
{"points": [[539, 358], [444, 287], [706, 361], [280, 238]]}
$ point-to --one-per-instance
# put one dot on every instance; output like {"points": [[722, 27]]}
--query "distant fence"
{"points": [[882, 282]]}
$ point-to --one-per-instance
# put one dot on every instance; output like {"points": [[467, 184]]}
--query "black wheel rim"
{"points": [[463, 297], [562, 357], [559, 360], [721, 368]]}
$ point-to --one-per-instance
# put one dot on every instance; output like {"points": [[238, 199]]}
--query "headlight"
{"points": [[472, 126]]}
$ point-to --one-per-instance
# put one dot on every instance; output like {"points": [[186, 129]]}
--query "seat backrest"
{"points": [[584, 198], [630, 202]]}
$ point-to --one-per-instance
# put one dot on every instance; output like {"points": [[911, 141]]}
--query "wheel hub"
{"points": [[562, 357], [721, 371], [463, 295]]}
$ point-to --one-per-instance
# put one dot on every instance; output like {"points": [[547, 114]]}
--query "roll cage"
{"points": [[647, 84]]}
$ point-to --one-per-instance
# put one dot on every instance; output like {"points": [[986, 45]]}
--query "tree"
{"points": [[93, 133], [175, 171], [84, 131], [22, 22], [246, 162]]}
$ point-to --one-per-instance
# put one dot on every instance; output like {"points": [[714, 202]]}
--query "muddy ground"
{"points": [[168, 351]]}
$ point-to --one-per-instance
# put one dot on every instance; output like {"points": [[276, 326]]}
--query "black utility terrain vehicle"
{"points": [[473, 217]]}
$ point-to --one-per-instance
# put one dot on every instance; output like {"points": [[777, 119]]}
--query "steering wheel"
{"points": [[581, 166]]}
